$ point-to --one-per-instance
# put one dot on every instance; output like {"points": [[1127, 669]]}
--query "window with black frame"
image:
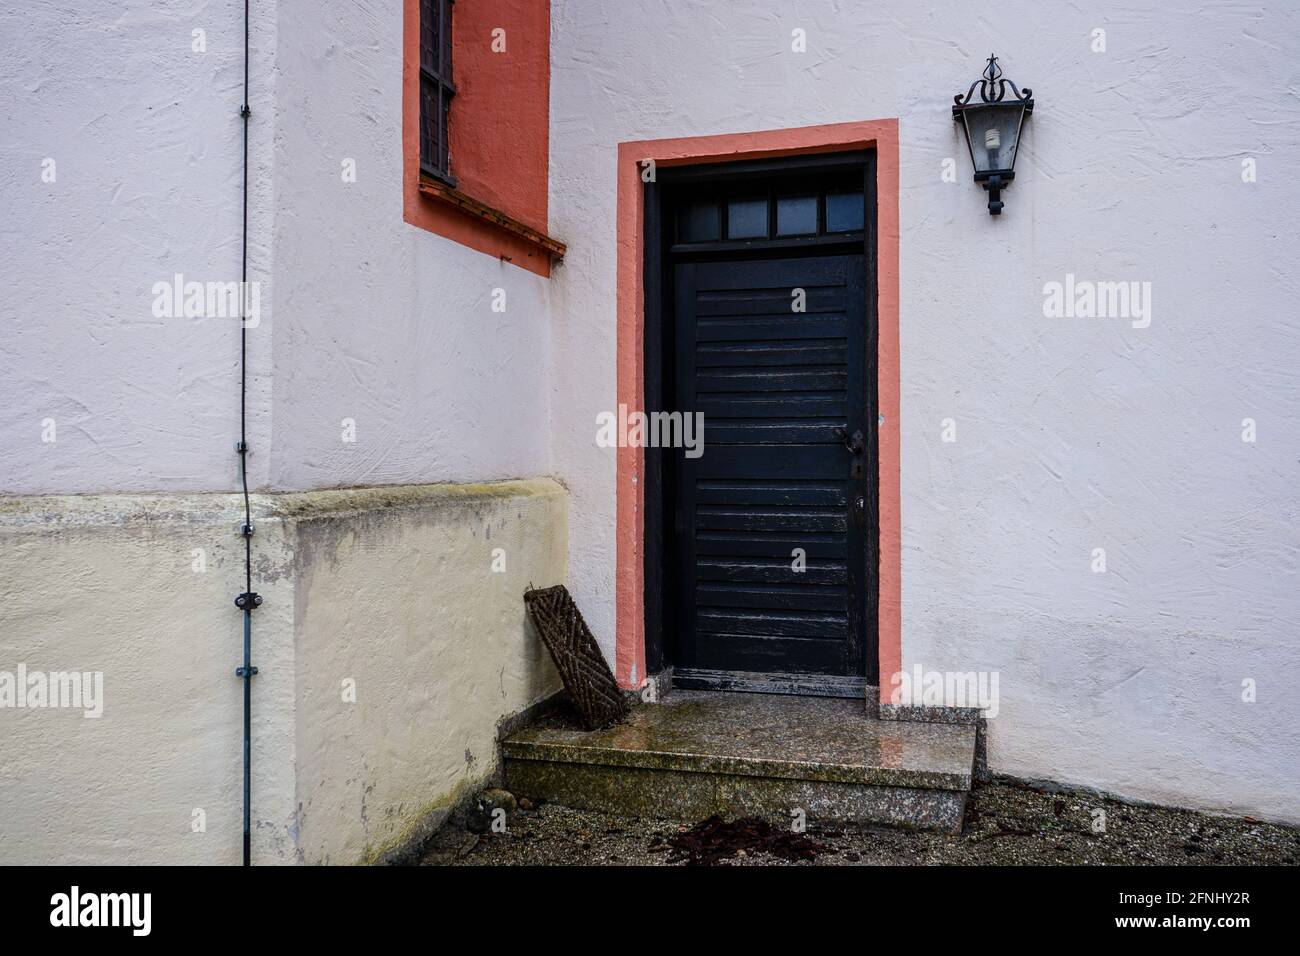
{"points": [[826, 209], [436, 88]]}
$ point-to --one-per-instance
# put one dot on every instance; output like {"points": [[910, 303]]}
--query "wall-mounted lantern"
{"points": [[992, 125]]}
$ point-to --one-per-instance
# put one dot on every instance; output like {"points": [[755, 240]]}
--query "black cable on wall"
{"points": [[248, 600]]}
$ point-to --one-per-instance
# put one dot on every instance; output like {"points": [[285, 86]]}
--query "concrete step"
{"points": [[699, 753]]}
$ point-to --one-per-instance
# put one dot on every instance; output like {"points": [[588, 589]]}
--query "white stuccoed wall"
{"points": [[380, 321], [1073, 434], [145, 135], [363, 316]]}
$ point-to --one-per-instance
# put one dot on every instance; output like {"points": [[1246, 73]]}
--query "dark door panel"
{"points": [[782, 392]]}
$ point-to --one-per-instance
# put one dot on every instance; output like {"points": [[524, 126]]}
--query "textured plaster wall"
{"points": [[499, 132], [391, 589], [364, 317], [397, 592], [109, 584], [1072, 434], [379, 321], [144, 133]]}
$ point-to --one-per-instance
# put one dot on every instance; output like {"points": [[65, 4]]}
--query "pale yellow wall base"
{"points": [[391, 642]]}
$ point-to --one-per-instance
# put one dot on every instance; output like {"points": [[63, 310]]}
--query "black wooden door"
{"points": [[771, 520]]}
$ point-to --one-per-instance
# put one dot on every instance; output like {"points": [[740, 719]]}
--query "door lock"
{"points": [[856, 443]]}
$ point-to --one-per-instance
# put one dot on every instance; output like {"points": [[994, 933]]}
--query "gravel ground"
{"points": [[1005, 824]]}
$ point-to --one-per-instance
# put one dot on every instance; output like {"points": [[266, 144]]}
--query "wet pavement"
{"points": [[1005, 824]]}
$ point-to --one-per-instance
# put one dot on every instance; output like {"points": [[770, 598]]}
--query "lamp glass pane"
{"points": [[993, 131]]}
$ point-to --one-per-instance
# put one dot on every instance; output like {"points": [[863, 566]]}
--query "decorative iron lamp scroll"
{"points": [[992, 125]]}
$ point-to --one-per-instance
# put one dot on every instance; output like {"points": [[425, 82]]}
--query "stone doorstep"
{"points": [[698, 753]]}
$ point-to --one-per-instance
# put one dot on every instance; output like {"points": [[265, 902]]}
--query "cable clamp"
{"points": [[245, 112], [248, 601], [252, 672]]}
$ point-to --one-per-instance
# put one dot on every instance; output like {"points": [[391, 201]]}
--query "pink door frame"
{"points": [[880, 135]]}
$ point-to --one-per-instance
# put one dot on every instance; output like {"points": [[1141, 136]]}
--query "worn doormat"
{"points": [[587, 678]]}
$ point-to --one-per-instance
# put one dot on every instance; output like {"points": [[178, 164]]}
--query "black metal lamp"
{"points": [[992, 125]]}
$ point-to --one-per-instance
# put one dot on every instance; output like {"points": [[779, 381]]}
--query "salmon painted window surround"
{"points": [[497, 132]]}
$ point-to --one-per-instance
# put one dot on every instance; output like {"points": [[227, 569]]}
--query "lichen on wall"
{"points": [[411, 644]]}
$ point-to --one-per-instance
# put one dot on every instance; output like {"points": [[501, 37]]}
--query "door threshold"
{"points": [[755, 682]]}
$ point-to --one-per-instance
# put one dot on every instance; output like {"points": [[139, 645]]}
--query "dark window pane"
{"points": [[747, 219], [699, 222], [445, 8], [428, 117], [796, 215], [444, 160], [429, 35], [435, 84], [843, 212]]}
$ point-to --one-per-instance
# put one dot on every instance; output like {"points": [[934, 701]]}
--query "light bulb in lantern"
{"points": [[992, 143]]}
